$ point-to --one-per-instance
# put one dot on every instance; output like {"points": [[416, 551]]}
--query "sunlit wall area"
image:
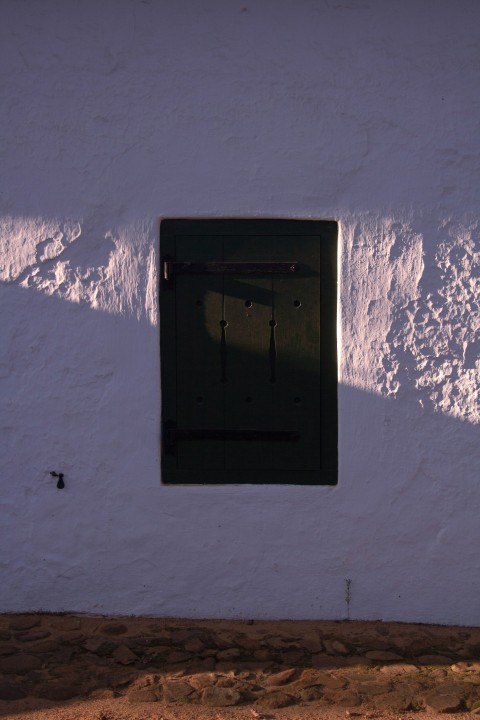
{"points": [[116, 115]]}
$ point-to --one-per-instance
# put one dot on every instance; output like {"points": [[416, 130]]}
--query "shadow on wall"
{"points": [[81, 392], [69, 376]]}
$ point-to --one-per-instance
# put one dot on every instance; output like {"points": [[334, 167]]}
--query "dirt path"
{"points": [[97, 668]]}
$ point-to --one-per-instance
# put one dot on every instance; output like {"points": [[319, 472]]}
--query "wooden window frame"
{"points": [[327, 233]]}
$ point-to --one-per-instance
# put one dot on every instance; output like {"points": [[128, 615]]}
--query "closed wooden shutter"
{"points": [[248, 350]]}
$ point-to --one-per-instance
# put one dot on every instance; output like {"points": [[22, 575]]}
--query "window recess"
{"points": [[248, 350]]}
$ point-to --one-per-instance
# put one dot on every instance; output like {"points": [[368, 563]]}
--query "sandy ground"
{"points": [[119, 709]]}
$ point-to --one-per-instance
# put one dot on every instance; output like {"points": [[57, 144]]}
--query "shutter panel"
{"points": [[248, 352]]}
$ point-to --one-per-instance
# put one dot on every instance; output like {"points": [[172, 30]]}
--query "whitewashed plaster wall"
{"points": [[118, 113]]}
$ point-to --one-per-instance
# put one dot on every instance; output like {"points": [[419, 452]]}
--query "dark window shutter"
{"points": [[248, 351]]}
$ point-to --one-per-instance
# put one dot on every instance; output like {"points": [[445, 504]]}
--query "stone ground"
{"points": [[98, 668]]}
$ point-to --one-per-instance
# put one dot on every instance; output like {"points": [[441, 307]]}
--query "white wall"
{"points": [[118, 113]]}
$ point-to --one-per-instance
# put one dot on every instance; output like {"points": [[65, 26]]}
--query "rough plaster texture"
{"points": [[119, 113]]}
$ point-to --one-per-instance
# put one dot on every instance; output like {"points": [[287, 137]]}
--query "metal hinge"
{"points": [[171, 268], [172, 434]]}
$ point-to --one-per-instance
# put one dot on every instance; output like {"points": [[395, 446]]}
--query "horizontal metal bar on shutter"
{"points": [[171, 435], [236, 435], [228, 268]]}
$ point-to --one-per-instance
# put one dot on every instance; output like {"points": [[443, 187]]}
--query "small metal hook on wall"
{"points": [[60, 483]]}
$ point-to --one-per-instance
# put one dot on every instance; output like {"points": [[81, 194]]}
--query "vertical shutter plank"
{"points": [[199, 390]]}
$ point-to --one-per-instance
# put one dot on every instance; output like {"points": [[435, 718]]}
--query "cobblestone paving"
{"points": [[389, 667]]}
